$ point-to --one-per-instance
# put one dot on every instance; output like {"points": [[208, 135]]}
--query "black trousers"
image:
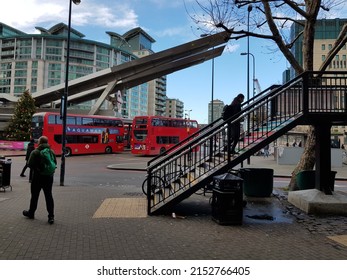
{"points": [[234, 136], [30, 173], [45, 183]]}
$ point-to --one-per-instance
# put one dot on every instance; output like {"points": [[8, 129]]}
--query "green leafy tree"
{"points": [[19, 128]]}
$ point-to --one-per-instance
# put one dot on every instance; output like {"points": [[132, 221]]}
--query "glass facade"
{"points": [[327, 31], [38, 61]]}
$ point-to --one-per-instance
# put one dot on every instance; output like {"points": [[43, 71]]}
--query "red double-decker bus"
{"points": [[127, 132], [153, 135], [85, 134]]}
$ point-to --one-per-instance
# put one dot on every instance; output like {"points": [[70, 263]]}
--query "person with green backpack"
{"points": [[43, 162]]}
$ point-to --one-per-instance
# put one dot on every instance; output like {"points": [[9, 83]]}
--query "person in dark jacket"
{"points": [[30, 148], [235, 129], [40, 181]]}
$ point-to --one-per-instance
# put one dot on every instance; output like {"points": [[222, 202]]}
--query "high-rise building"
{"points": [[327, 31], [37, 61], [174, 108], [218, 106]]}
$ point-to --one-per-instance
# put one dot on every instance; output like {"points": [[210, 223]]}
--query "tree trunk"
{"points": [[307, 160]]}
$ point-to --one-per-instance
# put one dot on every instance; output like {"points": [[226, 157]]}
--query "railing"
{"points": [[192, 163]]}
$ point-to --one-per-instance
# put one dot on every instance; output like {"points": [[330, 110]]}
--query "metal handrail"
{"points": [[206, 153]]}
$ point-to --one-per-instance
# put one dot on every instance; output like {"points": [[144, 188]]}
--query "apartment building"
{"points": [[327, 31], [38, 61]]}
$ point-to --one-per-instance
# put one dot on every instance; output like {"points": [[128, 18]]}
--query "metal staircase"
{"points": [[310, 98]]}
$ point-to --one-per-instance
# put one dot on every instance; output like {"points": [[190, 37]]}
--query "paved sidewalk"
{"points": [[85, 230]]}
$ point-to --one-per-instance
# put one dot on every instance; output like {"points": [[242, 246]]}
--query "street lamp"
{"points": [[188, 113], [63, 106], [253, 70], [212, 89], [212, 82], [249, 9]]}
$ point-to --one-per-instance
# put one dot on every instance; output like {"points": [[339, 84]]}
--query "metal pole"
{"points": [[254, 93], [249, 11], [248, 119], [212, 90], [253, 73], [253, 57], [63, 106]]}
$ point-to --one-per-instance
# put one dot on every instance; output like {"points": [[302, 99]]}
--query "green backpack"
{"points": [[48, 164]]}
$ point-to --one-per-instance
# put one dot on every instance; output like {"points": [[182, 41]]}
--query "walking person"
{"points": [[43, 163], [266, 151], [234, 129], [30, 148]]}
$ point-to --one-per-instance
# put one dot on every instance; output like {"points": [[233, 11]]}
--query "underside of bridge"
{"points": [[101, 84]]}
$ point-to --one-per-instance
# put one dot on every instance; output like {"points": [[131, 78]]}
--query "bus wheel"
{"points": [[68, 152], [162, 150], [108, 150]]}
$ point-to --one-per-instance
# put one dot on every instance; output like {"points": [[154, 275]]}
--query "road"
{"points": [[92, 171]]}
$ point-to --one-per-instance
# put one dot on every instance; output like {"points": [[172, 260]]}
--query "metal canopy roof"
{"points": [[136, 72]]}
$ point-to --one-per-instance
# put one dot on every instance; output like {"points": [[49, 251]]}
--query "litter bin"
{"points": [[306, 179], [227, 199], [257, 182], [5, 165]]}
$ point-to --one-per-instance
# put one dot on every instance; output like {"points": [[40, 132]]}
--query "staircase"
{"points": [[311, 98]]}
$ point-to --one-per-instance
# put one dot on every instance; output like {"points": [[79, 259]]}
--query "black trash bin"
{"points": [[257, 182], [5, 167], [306, 179], [227, 199]]}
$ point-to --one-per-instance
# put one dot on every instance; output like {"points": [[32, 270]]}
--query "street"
{"points": [[92, 171]]}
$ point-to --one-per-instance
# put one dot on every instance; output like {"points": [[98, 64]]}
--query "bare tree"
{"points": [[271, 21]]}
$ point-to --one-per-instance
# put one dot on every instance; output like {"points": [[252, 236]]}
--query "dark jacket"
{"points": [[35, 157], [235, 109], [30, 148]]}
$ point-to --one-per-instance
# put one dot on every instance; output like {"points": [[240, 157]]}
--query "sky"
{"points": [[169, 23]]}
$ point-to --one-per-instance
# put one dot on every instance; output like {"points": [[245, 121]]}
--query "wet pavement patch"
{"points": [[261, 217]]}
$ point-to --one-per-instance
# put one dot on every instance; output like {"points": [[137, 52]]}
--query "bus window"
{"points": [[119, 139], [140, 135], [167, 139], [70, 120]]}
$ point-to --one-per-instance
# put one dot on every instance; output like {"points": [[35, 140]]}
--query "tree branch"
{"points": [[296, 7], [278, 38]]}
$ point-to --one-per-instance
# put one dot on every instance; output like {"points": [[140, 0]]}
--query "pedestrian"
{"points": [[234, 128], [41, 179], [30, 148], [266, 151]]}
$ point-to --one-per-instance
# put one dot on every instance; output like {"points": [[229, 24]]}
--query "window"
{"points": [[323, 47]]}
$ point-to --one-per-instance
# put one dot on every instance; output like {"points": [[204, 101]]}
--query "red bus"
{"points": [[153, 135], [85, 134], [127, 132]]}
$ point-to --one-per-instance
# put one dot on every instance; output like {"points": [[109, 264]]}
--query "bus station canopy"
{"points": [[136, 72]]}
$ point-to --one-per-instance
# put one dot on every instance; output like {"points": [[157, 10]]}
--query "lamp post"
{"points": [[188, 113], [253, 70], [212, 88], [249, 9], [212, 81], [63, 106]]}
